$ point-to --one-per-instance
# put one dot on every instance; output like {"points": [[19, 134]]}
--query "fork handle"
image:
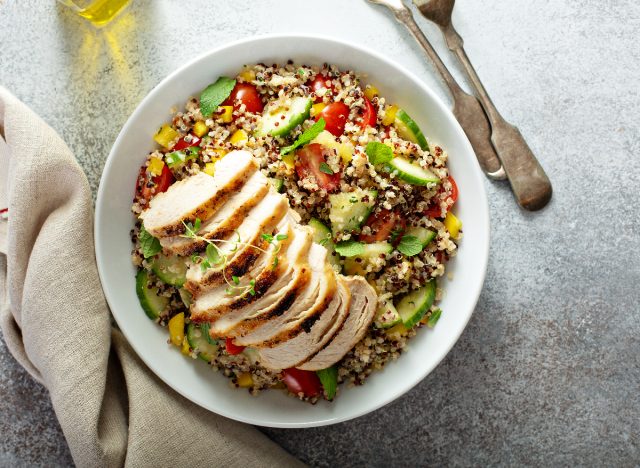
{"points": [[467, 109], [530, 184]]}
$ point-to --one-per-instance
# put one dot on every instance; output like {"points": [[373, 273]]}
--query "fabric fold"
{"points": [[112, 409]]}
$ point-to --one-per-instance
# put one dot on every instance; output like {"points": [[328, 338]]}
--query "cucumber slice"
{"points": [[170, 269], [386, 316], [196, 337], [322, 236], [186, 297], [273, 123], [414, 305], [424, 235], [349, 211], [411, 173], [277, 184], [376, 249], [357, 265], [152, 304], [205, 327], [408, 129]]}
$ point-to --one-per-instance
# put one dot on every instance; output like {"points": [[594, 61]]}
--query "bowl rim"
{"points": [[476, 173]]}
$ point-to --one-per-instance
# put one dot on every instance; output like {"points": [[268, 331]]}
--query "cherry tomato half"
{"points": [[247, 94], [160, 184], [370, 116], [454, 189], [182, 144], [434, 211], [303, 381], [232, 348], [319, 83], [309, 163], [335, 116], [383, 224]]}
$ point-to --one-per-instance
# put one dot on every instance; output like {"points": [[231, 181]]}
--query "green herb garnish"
{"points": [[214, 94], [410, 246], [308, 135], [150, 245], [378, 153], [329, 380], [350, 248], [324, 167]]}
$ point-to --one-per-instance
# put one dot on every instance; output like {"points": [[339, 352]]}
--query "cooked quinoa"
{"points": [[392, 275]]}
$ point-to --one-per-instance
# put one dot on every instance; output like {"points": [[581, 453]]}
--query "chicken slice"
{"points": [[198, 196]]}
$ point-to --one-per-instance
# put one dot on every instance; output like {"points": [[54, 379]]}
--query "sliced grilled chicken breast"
{"points": [[302, 346], [242, 248], [302, 314], [361, 312], [222, 224], [198, 196], [218, 303], [281, 294]]}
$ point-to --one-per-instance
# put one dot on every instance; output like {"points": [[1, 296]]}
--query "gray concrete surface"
{"points": [[548, 371]]}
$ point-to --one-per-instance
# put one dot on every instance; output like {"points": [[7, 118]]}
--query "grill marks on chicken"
{"points": [[286, 300]]}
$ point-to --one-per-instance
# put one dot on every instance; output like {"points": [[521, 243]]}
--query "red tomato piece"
{"points": [[303, 381], [182, 144], [309, 163], [383, 224], [432, 212], [247, 94], [160, 183], [454, 189], [335, 116], [370, 116], [232, 348], [320, 82]]}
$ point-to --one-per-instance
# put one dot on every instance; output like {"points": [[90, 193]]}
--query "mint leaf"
{"points": [[410, 246], [150, 245], [308, 135], [433, 318], [350, 248], [329, 380], [324, 167], [378, 153], [214, 94]]}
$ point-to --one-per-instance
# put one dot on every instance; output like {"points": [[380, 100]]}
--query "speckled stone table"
{"points": [[548, 371]]}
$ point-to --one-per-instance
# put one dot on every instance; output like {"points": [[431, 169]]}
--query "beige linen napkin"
{"points": [[112, 409]]}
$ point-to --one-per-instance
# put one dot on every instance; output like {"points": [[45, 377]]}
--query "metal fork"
{"points": [[466, 107], [530, 184]]}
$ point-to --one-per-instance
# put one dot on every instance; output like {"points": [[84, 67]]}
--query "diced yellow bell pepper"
{"points": [[176, 329], [245, 380], [186, 349], [155, 166], [397, 330], [317, 108], [453, 225], [239, 138], [200, 129], [289, 160], [209, 168], [165, 136], [221, 153], [344, 150], [227, 113], [247, 75], [371, 91], [389, 115]]}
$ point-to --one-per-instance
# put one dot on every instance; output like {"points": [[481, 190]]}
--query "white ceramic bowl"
{"points": [[194, 379]]}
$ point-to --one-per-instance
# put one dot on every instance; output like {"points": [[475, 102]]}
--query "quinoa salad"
{"points": [[354, 169]]}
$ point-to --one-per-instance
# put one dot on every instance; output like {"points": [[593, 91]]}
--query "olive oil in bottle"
{"points": [[99, 12]]}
